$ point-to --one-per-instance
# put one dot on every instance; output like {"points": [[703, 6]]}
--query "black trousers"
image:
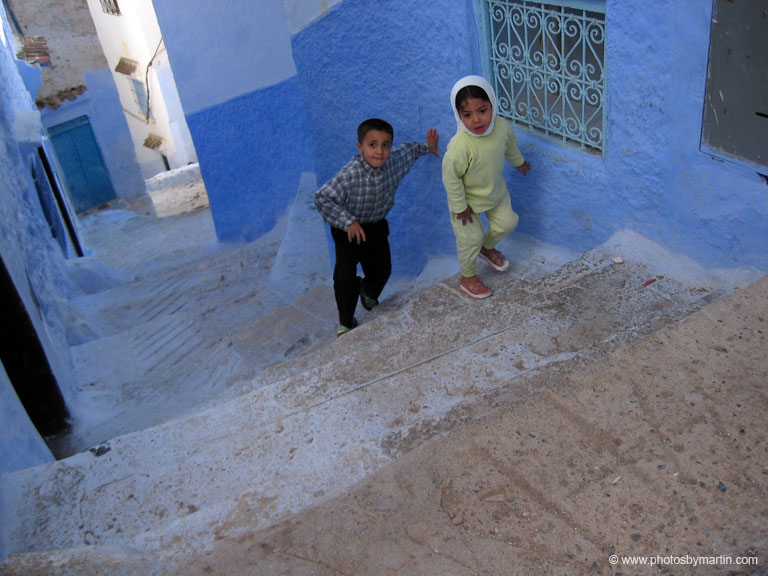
{"points": [[374, 258]]}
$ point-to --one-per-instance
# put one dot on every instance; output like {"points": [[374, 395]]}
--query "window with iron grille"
{"points": [[546, 61], [110, 7]]}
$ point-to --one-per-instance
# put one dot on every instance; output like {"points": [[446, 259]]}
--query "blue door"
{"points": [[82, 163]]}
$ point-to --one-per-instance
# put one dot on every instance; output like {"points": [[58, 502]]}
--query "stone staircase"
{"points": [[300, 431], [181, 325], [177, 338]]}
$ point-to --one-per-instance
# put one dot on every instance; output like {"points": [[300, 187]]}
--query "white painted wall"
{"points": [[136, 35], [242, 53]]}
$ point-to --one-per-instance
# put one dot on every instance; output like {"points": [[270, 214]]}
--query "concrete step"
{"points": [[305, 430], [655, 453], [129, 241], [173, 360], [583, 304], [221, 284], [179, 318]]}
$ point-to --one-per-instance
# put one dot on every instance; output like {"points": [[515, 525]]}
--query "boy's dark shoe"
{"points": [[342, 329], [368, 302]]}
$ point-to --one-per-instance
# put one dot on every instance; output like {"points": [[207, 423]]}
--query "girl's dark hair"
{"points": [[374, 124], [470, 91]]}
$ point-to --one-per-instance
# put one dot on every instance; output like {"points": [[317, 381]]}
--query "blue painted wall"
{"points": [[301, 94], [652, 178], [394, 60], [237, 83], [398, 60], [220, 52], [21, 446], [252, 151]]}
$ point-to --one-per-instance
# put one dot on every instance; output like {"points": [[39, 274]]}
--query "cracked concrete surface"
{"points": [[657, 451]]}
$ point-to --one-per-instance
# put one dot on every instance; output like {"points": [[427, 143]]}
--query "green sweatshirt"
{"points": [[473, 165]]}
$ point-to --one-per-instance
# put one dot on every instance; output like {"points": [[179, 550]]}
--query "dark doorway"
{"points": [[25, 363], [53, 204]]}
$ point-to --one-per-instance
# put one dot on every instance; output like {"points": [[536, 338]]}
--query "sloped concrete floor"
{"points": [[657, 452], [178, 317], [520, 465]]}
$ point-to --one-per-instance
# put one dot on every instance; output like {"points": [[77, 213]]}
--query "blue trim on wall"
{"points": [[252, 151]]}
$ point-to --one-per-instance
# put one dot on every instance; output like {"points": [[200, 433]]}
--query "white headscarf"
{"points": [[485, 85]]}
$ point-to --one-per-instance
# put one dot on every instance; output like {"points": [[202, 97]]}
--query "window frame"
{"points": [[590, 136]]}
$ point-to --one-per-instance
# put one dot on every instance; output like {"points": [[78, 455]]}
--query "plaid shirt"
{"points": [[363, 193]]}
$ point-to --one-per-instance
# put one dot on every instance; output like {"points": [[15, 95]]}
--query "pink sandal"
{"points": [[476, 289], [494, 258]]}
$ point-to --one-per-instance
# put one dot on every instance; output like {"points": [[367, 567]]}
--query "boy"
{"points": [[355, 204]]}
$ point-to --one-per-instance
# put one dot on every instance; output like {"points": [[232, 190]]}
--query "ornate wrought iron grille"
{"points": [[548, 70]]}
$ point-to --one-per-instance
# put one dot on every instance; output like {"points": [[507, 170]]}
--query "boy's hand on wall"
{"points": [[524, 168], [432, 139], [356, 231]]}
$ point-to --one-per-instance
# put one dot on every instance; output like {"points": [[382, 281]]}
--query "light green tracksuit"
{"points": [[472, 176]]}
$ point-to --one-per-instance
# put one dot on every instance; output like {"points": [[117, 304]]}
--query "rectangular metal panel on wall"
{"points": [[736, 107]]}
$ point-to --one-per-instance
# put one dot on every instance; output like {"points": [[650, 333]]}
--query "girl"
{"points": [[473, 180]]}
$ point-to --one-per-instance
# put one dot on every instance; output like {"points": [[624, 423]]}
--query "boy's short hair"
{"points": [[470, 91], [374, 124]]}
